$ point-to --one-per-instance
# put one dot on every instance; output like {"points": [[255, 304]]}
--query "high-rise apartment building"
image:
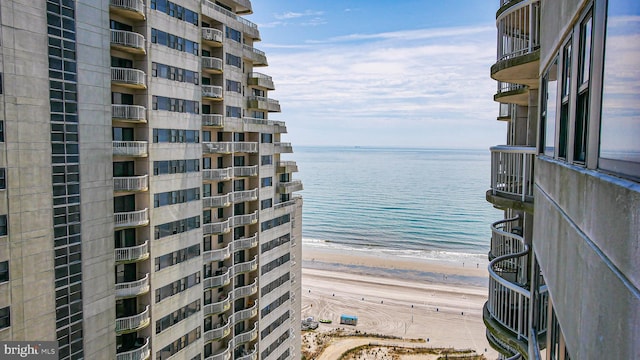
{"points": [[565, 270], [145, 209]]}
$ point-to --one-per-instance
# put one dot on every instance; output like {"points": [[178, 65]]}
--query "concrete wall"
{"points": [[557, 19]]}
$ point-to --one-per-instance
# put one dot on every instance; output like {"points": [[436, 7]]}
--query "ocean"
{"points": [[419, 203]]}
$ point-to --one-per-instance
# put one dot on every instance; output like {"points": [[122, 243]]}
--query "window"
{"points": [[564, 101], [4, 271], [1, 130], [233, 34], [3, 179], [266, 160], [234, 60], [548, 109], [233, 111], [266, 138], [5, 317], [582, 104], [3, 225], [264, 182], [265, 204]]}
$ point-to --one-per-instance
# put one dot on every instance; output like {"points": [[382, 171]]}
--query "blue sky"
{"points": [[409, 73]]}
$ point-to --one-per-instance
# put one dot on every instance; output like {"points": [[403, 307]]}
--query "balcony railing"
{"points": [[211, 34], [261, 80], [256, 121], [288, 166], [217, 174], [283, 148], [512, 171], [131, 218], [247, 336], [217, 281], [212, 91], [134, 322], [140, 353], [245, 266], [217, 254], [133, 113], [133, 253], [245, 195], [245, 314], [130, 148], [291, 186], [506, 239], [133, 288], [245, 147], [217, 333], [240, 171], [128, 40], [247, 290], [247, 219], [212, 64], [212, 120], [127, 76], [258, 57], [252, 355], [216, 201], [245, 243], [131, 183], [135, 6], [217, 147], [519, 29], [219, 307], [244, 3], [223, 355], [504, 87], [263, 103], [217, 228]]}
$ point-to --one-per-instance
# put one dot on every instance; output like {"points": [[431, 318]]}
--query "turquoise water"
{"points": [[424, 203]]}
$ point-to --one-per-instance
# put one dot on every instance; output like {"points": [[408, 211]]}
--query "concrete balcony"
{"points": [[217, 254], [212, 65], [245, 195], [141, 353], [212, 37], [245, 243], [518, 24], [215, 120], [217, 147], [131, 78], [247, 219], [245, 147], [219, 307], [258, 57], [257, 125], [262, 103], [245, 266], [222, 227], [132, 9], [216, 201], [133, 323], [217, 280], [283, 148], [130, 148], [217, 174], [245, 291], [129, 113], [131, 183], [290, 187], [217, 333], [211, 92], [128, 41], [509, 93], [245, 171], [131, 218], [246, 336], [261, 80], [133, 288], [133, 253], [288, 166], [512, 177]]}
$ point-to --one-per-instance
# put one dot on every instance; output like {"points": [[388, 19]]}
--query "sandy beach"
{"points": [[438, 301]]}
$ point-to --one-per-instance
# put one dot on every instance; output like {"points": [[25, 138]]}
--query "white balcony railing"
{"points": [[140, 353], [217, 174], [244, 3], [134, 113], [247, 290], [130, 5], [245, 243], [216, 201], [130, 148], [128, 39], [133, 253], [224, 354], [217, 147], [212, 120], [133, 288], [283, 148], [245, 314], [217, 254], [245, 266], [211, 34], [212, 91], [246, 147], [506, 239], [257, 121], [258, 57], [263, 103], [245, 195], [219, 307], [133, 322], [212, 63], [222, 227], [131, 218], [512, 171], [261, 80], [247, 336], [217, 281], [218, 333], [128, 76], [519, 29], [247, 219], [240, 171], [131, 183]]}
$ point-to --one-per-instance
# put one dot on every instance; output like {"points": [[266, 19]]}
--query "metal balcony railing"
{"points": [[220, 9], [245, 195], [217, 254], [211, 34], [212, 91], [128, 76], [219, 307], [218, 333], [217, 174], [130, 5], [256, 121], [222, 227], [212, 63], [131, 183], [512, 171], [131, 218], [134, 322], [247, 290], [130, 148], [212, 120], [245, 314], [245, 243], [240, 171], [504, 87], [246, 147], [223, 355], [519, 29], [217, 280], [216, 201], [247, 219], [133, 253], [133, 288], [128, 39], [217, 147], [247, 336], [245, 266], [133, 113], [140, 353]]}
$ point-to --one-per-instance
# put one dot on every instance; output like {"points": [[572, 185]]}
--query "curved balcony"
{"points": [[216, 255], [246, 195], [133, 323], [222, 227], [128, 41], [262, 103], [217, 147], [509, 93], [141, 353], [131, 183], [245, 314], [212, 37], [212, 120], [253, 355], [219, 307], [130, 148], [290, 187], [217, 333], [245, 171], [512, 177], [131, 218], [133, 288], [216, 201], [245, 266], [223, 355], [507, 351], [133, 253], [288, 166], [132, 9], [283, 148], [129, 113], [258, 57], [245, 291], [247, 219], [211, 92], [217, 281], [245, 243], [217, 174], [246, 336], [518, 26], [261, 80], [131, 78], [212, 65]]}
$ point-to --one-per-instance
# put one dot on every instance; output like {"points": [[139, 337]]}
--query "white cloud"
{"points": [[295, 15]]}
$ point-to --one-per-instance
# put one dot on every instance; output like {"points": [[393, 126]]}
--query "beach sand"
{"points": [[438, 301]]}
